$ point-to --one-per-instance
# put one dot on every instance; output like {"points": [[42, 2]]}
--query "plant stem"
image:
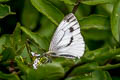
{"points": [[109, 66], [28, 47], [76, 6], [105, 56], [70, 70]]}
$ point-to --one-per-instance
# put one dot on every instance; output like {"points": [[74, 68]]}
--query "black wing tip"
{"points": [[69, 16]]}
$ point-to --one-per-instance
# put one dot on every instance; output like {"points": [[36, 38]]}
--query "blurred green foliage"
{"points": [[36, 21]]}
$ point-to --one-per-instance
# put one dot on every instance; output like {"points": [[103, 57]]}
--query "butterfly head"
{"points": [[40, 59]]}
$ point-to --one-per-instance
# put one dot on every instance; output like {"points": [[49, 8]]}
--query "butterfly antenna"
{"points": [[29, 50], [76, 6], [28, 47], [36, 45]]}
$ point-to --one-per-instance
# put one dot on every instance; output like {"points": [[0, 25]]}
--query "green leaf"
{"points": [[95, 25], [95, 2], [8, 76], [46, 8], [115, 20], [51, 71], [97, 52], [4, 11], [104, 56], [82, 11], [8, 54], [95, 75], [18, 43], [70, 2], [47, 28], [30, 15], [88, 2], [101, 75], [24, 68], [4, 42], [60, 5], [66, 63], [29, 73], [25, 55], [85, 68], [41, 41], [4, 0], [88, 77], [104, 9], [95, 21], [17, 34]]}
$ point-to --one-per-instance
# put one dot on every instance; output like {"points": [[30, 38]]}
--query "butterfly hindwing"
{"points": [[67, 41]]}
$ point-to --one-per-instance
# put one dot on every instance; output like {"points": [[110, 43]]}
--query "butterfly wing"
{"points": [[67, 40]]}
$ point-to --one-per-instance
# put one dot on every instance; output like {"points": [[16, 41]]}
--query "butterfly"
{"points": [[67, 40]]}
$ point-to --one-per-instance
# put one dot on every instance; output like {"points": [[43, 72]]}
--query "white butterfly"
{"points": [[67, 40]]}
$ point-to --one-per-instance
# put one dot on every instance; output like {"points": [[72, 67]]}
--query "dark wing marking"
{"points": [[66, 55], [71, 40], [68, 18], [71, 29]]}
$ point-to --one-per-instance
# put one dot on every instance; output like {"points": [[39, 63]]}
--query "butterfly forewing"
{"points": [[67, 40]]}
